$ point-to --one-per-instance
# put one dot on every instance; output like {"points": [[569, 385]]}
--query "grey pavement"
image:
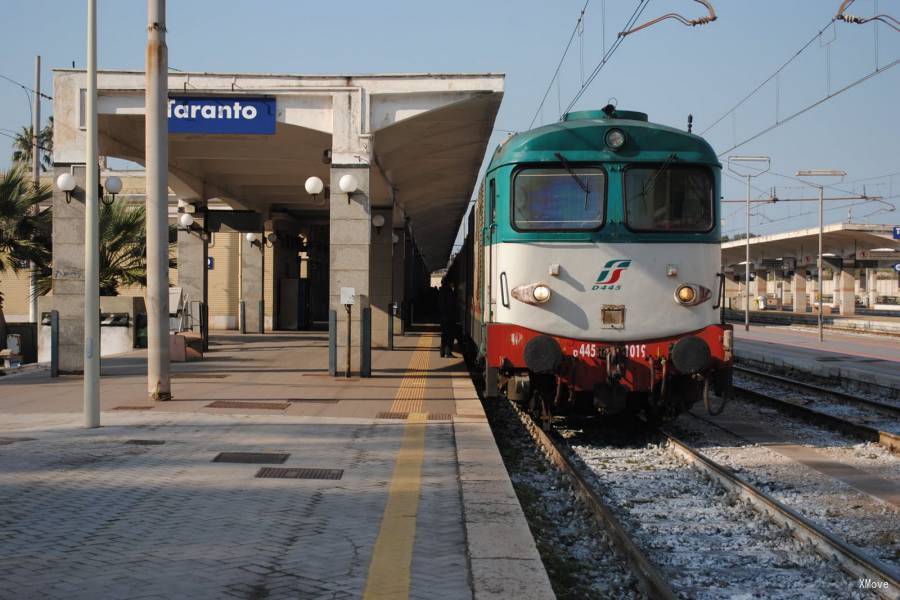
{"points": [[137, 509], [87, 514], [868, 359]]}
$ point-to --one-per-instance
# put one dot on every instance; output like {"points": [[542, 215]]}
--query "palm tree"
{"points": [[123, 245], [22, 146], [24, 231]]}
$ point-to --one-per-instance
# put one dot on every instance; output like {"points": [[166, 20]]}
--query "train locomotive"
{"points": [[590, 275]]}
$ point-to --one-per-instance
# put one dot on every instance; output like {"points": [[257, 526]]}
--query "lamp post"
{"points": [[91, 233], [748, 175], [820, 173]]}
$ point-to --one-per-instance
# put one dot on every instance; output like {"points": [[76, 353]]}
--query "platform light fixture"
{"points": [[66, 183], [348, 184], [378, 222], [314, 186], [113, 185], [820, 173]]}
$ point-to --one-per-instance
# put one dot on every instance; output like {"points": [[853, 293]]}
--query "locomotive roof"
{"points": [[580, 136]]}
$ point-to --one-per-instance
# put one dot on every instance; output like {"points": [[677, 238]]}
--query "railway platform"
{"points": [[858, 359], [263, 478]]}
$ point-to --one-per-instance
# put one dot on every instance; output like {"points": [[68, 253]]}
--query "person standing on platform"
{"points": [[447, 307]]}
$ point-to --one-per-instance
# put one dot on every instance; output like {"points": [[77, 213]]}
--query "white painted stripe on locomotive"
{"points": [[574, 309]]}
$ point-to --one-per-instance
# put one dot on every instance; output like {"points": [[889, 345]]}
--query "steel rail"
{"points": [[890, 409], [826, 543], [649, 577], [890, 441]]}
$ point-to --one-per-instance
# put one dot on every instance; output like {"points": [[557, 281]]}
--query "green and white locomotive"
{"points": [[590, 274]]}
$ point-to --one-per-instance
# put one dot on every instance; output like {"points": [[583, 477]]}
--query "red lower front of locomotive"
{"points": [[634, 366]]}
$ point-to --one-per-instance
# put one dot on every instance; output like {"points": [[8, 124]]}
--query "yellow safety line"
{"points": [[389, 571]]}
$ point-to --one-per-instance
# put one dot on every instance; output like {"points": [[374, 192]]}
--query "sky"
{"points": [[667, 70]]}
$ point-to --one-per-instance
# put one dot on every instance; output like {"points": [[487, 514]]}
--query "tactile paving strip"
{"points": [[298, 473], [256, 458]]}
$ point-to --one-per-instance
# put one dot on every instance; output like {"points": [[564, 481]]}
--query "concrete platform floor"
{"points": [[422, 508], [872, 359]]}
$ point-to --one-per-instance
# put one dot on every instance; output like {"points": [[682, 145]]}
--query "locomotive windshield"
{"points": [[555, 199], [669, 198]]}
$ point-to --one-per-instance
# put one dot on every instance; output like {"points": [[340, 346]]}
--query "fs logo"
{"points": [[611, 273]]}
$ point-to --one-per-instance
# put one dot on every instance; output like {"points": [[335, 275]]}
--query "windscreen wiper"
{"points": [[650, 185], [581, 183]]}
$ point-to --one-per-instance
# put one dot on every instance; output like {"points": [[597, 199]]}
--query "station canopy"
{"points": [[423, 138], [849, 242]]}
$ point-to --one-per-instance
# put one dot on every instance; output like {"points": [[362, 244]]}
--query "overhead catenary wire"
{"points": [[770, 77], [24, 87], [560, 64], [811, 106], [642, 4]]}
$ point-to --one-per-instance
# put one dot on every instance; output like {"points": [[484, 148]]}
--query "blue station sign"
{"points": [[897, 232], [243, 115]]}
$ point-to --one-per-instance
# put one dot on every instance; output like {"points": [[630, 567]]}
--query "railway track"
{"points": [[657, 568], [887, 408], [862, 418]]}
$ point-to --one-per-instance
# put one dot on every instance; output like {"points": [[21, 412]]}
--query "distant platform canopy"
{"points": [[847, 243], [252, 140]]}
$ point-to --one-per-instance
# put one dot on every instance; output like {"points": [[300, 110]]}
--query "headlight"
{"points": [[532, 293], [689, 294], [615, 139], [540, 293], [685, 294]]}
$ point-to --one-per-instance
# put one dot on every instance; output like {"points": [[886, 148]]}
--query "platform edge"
{"points": [[505, 567]]}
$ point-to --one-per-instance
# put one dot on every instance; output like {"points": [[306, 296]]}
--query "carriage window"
{"points": [[669, 198], [554, 199]]}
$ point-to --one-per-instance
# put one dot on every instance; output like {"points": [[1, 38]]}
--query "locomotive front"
{"points": [[601, 266]]}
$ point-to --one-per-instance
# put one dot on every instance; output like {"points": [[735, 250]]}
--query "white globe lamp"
{"points": [[348, 184], [186, 221], [314, 186]]}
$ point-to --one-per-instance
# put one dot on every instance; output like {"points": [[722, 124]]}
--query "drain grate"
{"points": [[298, 473], [440, 417], [392, 415], [253, 458], [248, 404], [146, 442], [132, 408]]}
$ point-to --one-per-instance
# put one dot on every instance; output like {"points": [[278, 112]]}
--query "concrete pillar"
{"points": [[252, 261], [399, 275], [780, 289], [760, 289], [192, 271], [798, 289], [843, 294], [68, 270], [382, 277], [350, 241], [872, 287]]}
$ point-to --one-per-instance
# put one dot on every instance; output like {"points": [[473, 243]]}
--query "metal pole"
{"points": [[747, 264], [157, 198], [349, 337], [36, 177], [91, 234], [821, 231]]}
